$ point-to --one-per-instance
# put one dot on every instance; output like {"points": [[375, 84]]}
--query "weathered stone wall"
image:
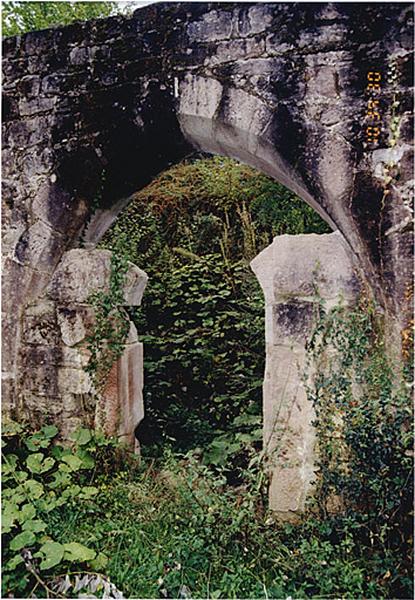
{"points": [[93, 111], [54, 352], [296, 273]]}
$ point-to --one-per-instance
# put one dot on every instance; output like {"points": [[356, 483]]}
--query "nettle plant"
{"points": [[39, 477], [365, 438]]}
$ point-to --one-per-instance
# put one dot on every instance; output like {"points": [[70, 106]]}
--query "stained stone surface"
{"points": [[82, 272], [97, 109], [295, 273], [54, 352]]}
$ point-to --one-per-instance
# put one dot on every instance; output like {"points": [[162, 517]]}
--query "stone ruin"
{"points": [[93, 111], [296, 276]]}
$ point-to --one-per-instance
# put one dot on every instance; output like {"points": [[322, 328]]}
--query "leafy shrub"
{"points": [[40, 477], [216, 204], [20, 17], [206, 349]]}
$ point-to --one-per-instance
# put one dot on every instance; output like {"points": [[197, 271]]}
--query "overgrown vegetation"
{"points": [[190, 518], [364, 422], [106, 340], [20, 16], [194, 229], [173, 528], [39, 478]]}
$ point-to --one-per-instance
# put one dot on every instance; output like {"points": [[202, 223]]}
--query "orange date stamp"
{"points": [[372, 116]]}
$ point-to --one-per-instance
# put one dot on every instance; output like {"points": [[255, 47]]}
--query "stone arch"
{"points": [[93, 111]]}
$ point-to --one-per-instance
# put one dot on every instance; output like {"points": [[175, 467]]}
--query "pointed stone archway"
{"points": [[93, 111]]}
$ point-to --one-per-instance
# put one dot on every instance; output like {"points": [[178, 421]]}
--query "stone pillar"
{"points": [[54, 354], [120, 408], [294, 271]]}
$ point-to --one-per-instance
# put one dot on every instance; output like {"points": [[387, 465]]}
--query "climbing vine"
{"points": [[363, 418], [111, 326]]}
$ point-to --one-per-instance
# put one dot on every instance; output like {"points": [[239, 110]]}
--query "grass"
{"points": [[175, 529]]}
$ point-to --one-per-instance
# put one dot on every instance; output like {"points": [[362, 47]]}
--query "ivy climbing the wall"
{"points": [[111, 324], [364, 418]]}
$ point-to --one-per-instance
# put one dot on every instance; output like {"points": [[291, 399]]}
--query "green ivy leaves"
{"points": [[360, 396], [106, 341]]}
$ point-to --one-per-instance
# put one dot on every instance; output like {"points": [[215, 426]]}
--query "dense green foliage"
{"points": [[20, 17], [364, 423], [173, 528], [91, 518], [194, 230], [38, 479]]}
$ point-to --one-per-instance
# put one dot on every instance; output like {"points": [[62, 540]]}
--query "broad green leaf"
{"points": [[78, 552], [11, 428], [49, 431], [59, 451], [100, 562], [81, 436], [36, 441], [73, 462], [59, 501], [35, 525], [9, 464], [7, 521], [23, 540], [52, 555], [27, 512], [60, 479], [47, 503], [15, 495], [21, 476], [34, 489], [88, 491], [10, 508], [37, 463], [71, 492], [13, 563], [88, 461]]}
